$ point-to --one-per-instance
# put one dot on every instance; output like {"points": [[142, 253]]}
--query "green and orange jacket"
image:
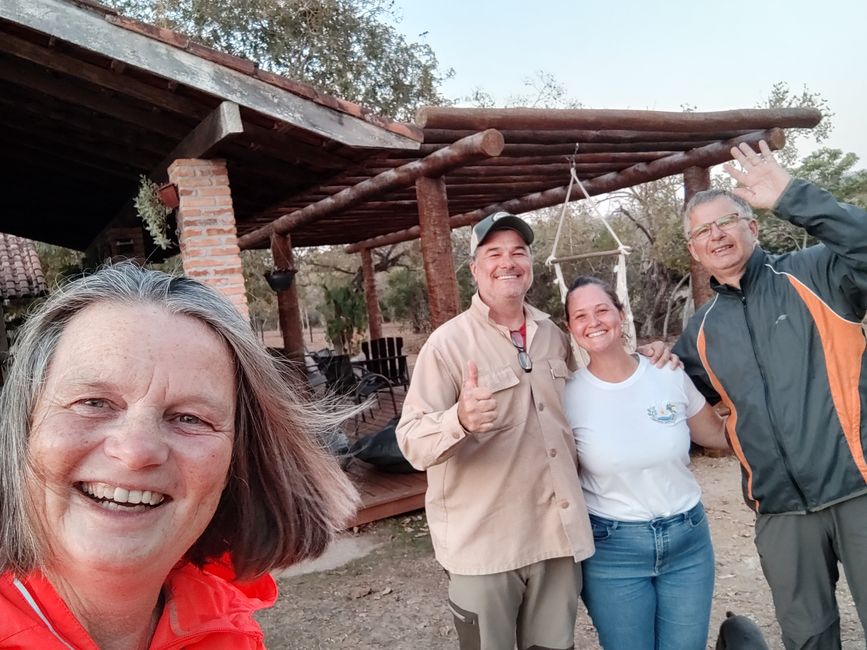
{"points": [[785, 353]]}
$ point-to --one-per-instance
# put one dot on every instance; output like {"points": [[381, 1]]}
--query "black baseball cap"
{"points": [[499, 221]]}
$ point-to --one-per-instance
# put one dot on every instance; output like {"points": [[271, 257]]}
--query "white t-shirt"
{"points": [[633, 442]]}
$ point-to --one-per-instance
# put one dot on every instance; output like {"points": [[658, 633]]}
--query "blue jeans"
{"points": [[649, 585]]}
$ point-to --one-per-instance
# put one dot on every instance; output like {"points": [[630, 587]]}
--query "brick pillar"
{"points": [[206, 222]]}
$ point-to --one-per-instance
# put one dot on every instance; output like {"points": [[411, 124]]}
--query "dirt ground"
{"points": [[394, 596]]}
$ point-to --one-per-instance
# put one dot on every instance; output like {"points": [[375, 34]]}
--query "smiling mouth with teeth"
{"points": [[111, 497]]}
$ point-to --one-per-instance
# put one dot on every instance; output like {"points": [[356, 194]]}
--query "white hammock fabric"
{"points": [[621, 288]]}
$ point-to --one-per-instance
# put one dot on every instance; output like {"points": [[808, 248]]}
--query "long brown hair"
{"points": [[285, 496]]}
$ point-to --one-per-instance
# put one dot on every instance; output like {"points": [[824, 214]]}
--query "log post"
{"points": [[436, 248], [288, 312], [374, 314], [695, 180]]}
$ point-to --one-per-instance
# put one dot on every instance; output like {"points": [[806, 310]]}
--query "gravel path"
{"points": [[394, 597]]}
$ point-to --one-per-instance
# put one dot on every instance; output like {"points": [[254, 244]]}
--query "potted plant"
{"points": [[153, 212], [168, 193]]}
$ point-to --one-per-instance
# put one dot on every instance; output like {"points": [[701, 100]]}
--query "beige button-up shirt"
{"points": [[509, 497]]}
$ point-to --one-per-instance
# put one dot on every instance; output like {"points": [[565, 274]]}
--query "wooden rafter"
{"points": [[480, 145], [439, 117], [642, 173], [90, 30]]}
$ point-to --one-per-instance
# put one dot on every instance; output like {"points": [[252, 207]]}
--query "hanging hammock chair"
{"points": [[621, 252]]}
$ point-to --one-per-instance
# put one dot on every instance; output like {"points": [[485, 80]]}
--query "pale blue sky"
{"points": [[656, 55]]}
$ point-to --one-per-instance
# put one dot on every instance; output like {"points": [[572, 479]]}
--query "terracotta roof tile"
{"points": [[20, 270]]}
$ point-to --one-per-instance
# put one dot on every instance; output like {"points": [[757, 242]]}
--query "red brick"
{"points": [[228, 270], [198, 203], [202, 241], [202, 220], [192, 182], [217, 251], [225, 230], [222, 190]]}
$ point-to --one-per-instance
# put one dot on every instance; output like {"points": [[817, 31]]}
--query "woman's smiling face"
{"points": [[131, 439], [595, 322]]}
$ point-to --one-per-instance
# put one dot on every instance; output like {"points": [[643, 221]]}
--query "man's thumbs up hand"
{"points": [[477, 408]]}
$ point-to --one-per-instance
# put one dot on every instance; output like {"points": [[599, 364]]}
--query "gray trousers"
{"points": [[534, 607], [800, 556]]}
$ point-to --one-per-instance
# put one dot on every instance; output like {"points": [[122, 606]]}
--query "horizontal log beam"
{"points": [[514, 164], [443, 117], [539, 136], [475, 147], [565, 149], [706, 156]]}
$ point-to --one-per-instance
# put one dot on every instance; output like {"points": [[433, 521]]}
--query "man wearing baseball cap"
{"points": [[483, 417]]}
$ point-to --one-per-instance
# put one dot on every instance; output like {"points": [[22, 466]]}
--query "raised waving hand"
{"points": [[761, 179]]}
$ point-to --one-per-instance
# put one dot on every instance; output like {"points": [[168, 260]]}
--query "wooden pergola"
{"points": [[92, 100], [473, 162]]}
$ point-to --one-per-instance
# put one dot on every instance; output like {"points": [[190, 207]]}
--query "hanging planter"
{"points": [[153, 212], [280, 279], [168, 193]]}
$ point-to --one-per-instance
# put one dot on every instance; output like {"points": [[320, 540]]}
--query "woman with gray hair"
{"points": [[154, 467]]}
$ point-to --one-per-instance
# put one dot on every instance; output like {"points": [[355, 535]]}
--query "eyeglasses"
{"points": [[725, 222], [524, 359]]}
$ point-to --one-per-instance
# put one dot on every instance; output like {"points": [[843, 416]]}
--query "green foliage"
{"points": [[261, 299], [828, 168], [781, 96], [58, 263], [540, 90], [406, 299], [346, 47], [152, 211], [345, 316], [832, 170]]}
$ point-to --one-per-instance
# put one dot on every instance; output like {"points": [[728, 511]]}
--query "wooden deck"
{"points": [[384, 494]]}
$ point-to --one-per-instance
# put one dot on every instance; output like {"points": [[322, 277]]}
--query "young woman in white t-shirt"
{"points": [[650, 583]]}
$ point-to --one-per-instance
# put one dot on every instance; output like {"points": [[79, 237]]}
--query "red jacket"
{"points": [[203, 609]]}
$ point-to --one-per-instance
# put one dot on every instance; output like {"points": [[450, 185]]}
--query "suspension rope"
{"points": [[621, 251]]}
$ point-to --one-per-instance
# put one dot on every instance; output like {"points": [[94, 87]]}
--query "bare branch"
{"points": [[637, 223]]}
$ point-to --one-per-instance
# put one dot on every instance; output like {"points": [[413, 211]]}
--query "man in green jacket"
{"points": [[781, 345]]}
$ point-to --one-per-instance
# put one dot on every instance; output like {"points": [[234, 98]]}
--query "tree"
{"points": [[832, 170], [781, 96], [541, 90], [405, 299], [348, 48], [58, 263], [261, 299], [345, 316]]}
